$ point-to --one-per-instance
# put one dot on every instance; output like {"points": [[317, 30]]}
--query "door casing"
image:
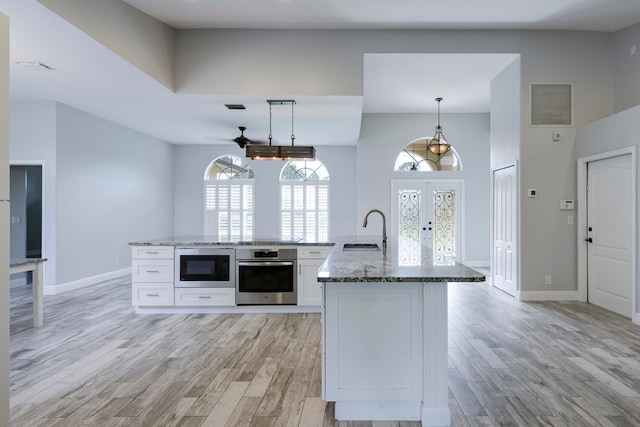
{"points": [[583, 162]]}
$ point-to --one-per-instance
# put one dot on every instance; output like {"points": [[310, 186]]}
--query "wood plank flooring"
{"points": [[97, 363]]}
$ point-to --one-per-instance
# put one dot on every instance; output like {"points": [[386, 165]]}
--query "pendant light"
{"points": [[438, 144], [280, 152]]}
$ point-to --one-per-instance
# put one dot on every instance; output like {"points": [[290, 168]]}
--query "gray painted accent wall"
{"points": [[626, 90], [114, 185], [191, 161]]}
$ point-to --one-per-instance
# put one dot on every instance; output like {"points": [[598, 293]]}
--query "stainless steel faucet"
{"points": [[384, 225]]}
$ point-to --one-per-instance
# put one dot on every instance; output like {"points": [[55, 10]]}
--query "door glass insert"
{"points": [[409, 202], [444, 225]]}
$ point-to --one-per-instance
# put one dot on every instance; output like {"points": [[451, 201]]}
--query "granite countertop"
{"points": [[14, 262], [395, 264], [217, 241]]}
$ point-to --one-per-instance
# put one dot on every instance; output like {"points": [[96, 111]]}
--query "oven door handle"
{"points": [[264, 263]]}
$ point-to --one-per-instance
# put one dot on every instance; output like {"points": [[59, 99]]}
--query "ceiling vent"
{"points": [[235, 106], [551, 105], [35, 66]]}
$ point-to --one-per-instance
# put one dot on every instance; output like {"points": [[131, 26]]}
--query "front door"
{"points": [[428, 212], [608, 239]]}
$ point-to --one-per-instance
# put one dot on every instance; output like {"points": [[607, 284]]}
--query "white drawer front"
{"points": [[205, 296], [152, 252], [160, 270], [152, 294], [314, 252]]}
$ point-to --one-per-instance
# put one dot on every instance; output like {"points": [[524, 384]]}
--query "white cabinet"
{"points": [[310, 258], [194, 297], [152, 276]]}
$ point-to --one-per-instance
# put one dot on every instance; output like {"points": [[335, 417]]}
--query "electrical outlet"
{"points": [[547, 280]]}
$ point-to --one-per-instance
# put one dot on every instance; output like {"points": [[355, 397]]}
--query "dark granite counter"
{"points": [[217, 241], [398, 263]]}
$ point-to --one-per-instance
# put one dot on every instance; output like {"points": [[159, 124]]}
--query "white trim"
{"points": [[87, 281], [582, 224], [547, 296], [518, 274], [478, 264], [230, 309], [378, 411]]}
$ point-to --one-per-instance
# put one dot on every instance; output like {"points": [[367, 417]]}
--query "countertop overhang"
{"points": [[225, 241], [399, 262]]}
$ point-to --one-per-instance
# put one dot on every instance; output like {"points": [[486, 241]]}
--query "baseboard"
{"points": [[547, 296], [87, 281], [477, 264]]}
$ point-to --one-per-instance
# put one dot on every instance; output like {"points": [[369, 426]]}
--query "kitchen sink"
{"points": [[360, 247]]}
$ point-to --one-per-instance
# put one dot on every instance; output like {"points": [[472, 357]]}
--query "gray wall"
{"points": [[191, 161], [33, 139], [505, 116], [104, 186], [114, 185], [626, 68], [383, 136]]}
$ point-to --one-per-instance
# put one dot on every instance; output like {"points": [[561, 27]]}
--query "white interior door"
{"points": [[505, 266], [608, 239], [428, 212]]}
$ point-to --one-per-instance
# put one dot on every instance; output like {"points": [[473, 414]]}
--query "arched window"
{"points": [[416, 157], [228, 198], [304, 200]]}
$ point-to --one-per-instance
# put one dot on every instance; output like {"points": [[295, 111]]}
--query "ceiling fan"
{"points": [[243, 141]]}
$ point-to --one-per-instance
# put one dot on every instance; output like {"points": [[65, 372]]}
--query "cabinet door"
{"points": [[309, 289]]}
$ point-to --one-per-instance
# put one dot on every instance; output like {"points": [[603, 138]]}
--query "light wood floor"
{"points": [[96, 363]]}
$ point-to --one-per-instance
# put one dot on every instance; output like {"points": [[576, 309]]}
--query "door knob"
{"points": [[590, 240]]}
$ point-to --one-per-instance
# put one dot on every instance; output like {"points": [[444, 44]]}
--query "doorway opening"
{"points": [[26, 216]]}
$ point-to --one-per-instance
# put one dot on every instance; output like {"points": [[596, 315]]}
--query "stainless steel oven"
{"points": [[205, 267], [266, 276]]}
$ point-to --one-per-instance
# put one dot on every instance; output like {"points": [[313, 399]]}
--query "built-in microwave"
{"points": [[205, 267]]}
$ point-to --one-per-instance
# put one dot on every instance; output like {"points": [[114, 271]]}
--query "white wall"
{"points": [[191, 161], [114, 186], [383, 136]]}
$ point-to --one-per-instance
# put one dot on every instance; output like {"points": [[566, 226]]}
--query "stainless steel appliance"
{"points": [[266, 276], [205, 267]]}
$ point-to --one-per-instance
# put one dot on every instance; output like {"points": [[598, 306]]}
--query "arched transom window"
{"points": [[304, 201], [228, 198], [416, 157]]}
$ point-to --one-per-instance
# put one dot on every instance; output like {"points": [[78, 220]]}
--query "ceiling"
{"points": [[92, 78]]}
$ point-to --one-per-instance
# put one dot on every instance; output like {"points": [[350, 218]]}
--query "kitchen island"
{"points": [[385, 330]]}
